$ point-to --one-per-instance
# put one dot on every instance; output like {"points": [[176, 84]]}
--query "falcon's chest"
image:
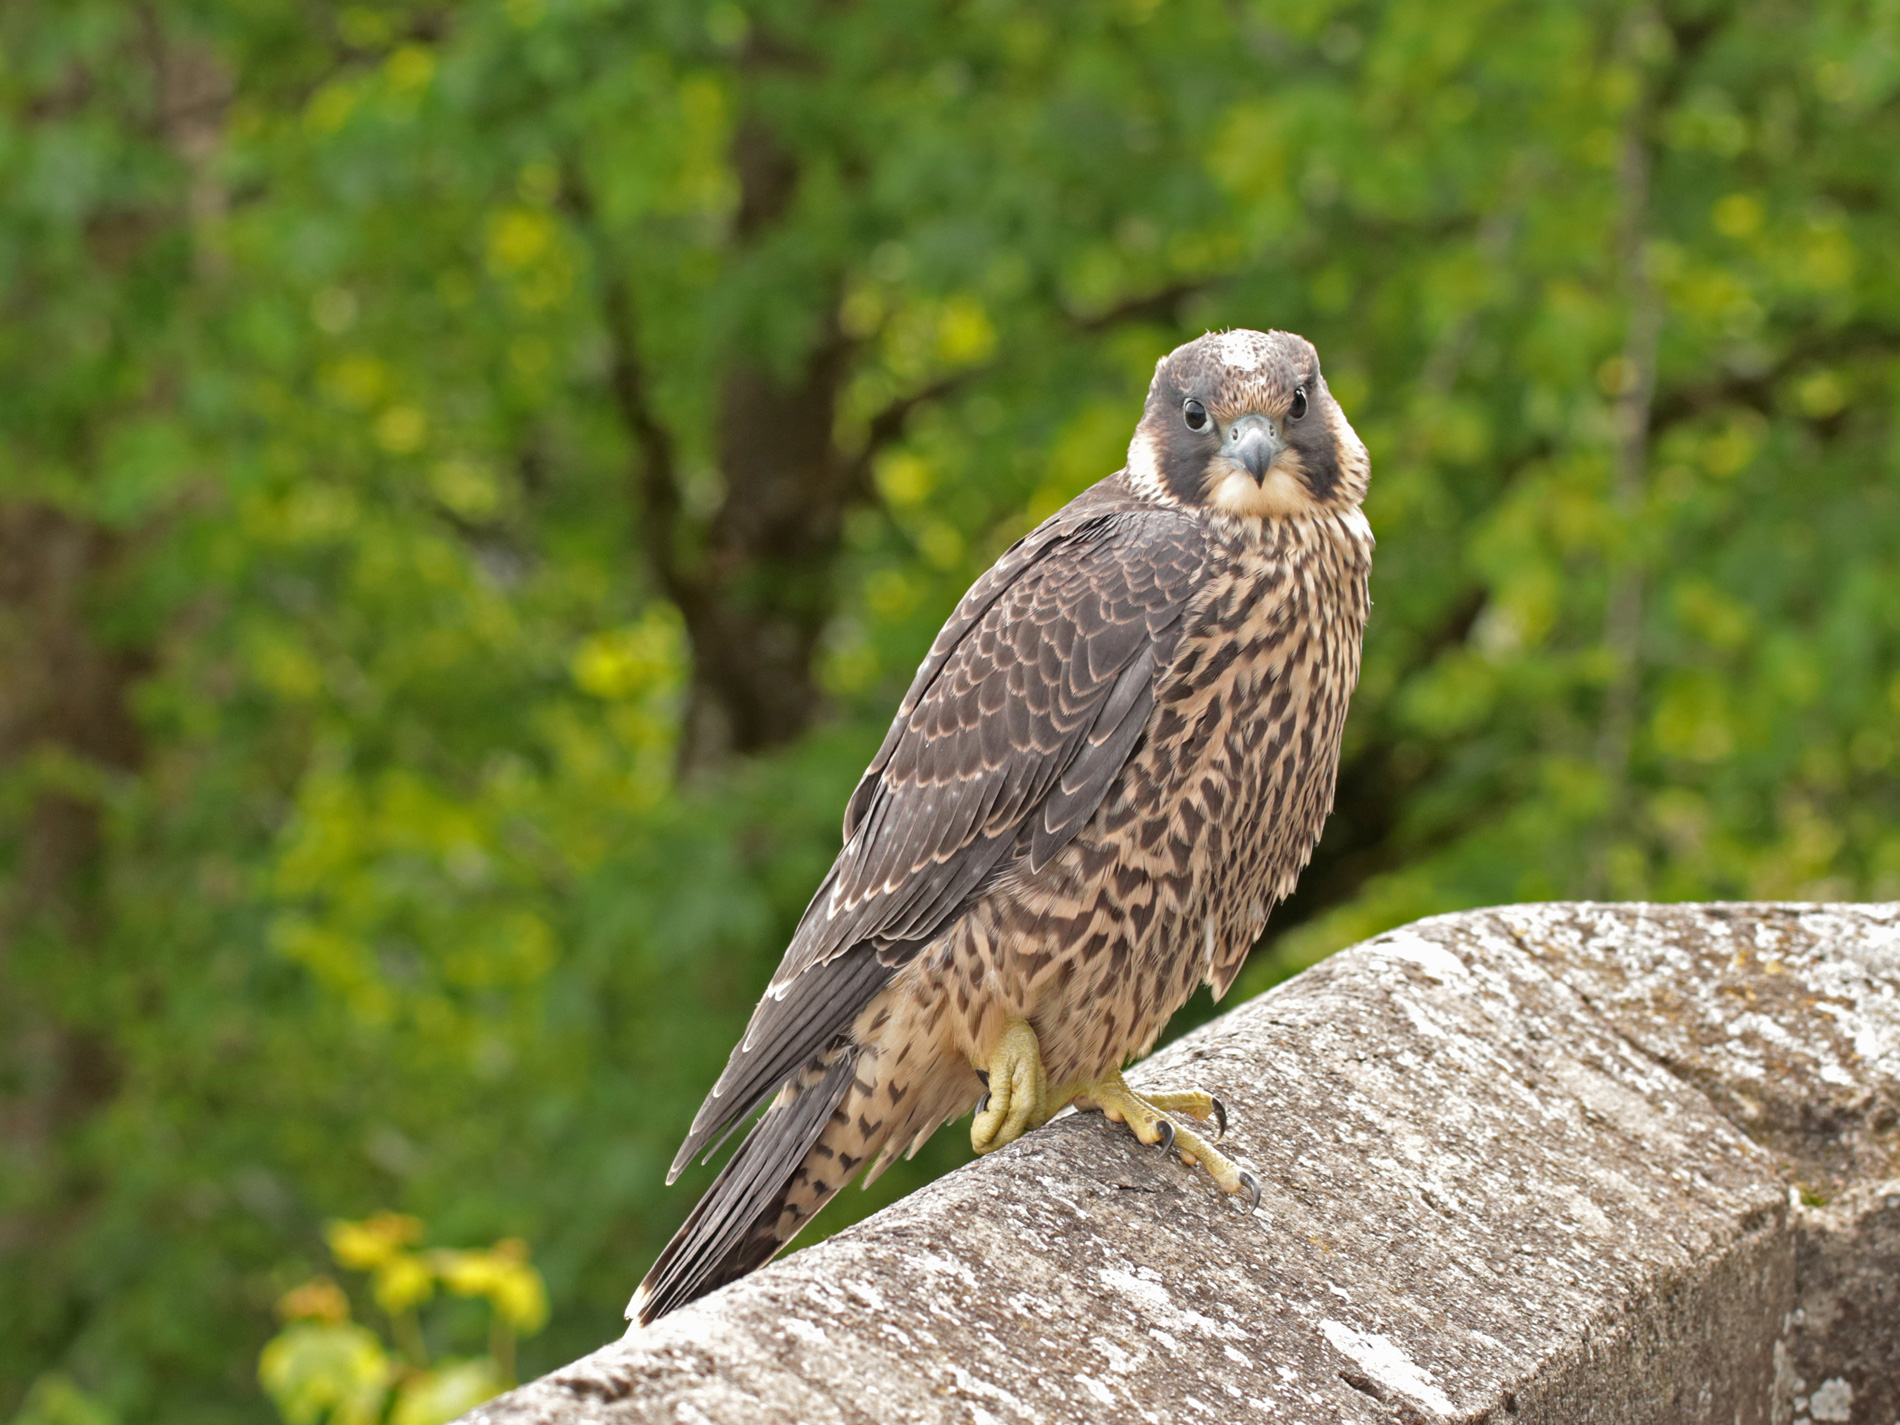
{"points": [[1272, 642]]}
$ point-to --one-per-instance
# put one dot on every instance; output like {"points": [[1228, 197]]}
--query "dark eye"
{"points": [[1195, 414], [1299, 404]]}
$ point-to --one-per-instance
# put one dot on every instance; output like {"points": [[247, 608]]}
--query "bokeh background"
{"points": [[475, 479]]}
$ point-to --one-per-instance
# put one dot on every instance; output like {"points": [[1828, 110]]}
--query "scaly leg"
{"points": [[1018, 1097], [1147, 1116]]}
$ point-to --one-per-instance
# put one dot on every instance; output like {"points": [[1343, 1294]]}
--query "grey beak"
{"points": [[1253, 442]]}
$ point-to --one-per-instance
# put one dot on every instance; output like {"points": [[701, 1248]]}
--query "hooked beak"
{"points": [[1253, 442]]}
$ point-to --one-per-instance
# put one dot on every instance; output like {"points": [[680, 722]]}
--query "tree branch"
{"points": [[1164, 303], [655, 477], [1757, 389], [887, 426]]}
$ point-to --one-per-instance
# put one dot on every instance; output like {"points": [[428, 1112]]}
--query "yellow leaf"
{"points": [[521, 1298], [320, 1299], [329, 109], [905, 479], [357, 380], [464, 1273], [410, 68], [1821, 394], [365, 1246], [512, 1287], [1738, 216], [400, 430], [518, 238], [964, 331], [626, 662], [403, 1281], [466, 487]]}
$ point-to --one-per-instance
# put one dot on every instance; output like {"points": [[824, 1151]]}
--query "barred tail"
{"points": [[791, 1164]]}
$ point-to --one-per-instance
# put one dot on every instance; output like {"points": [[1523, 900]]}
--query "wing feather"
{"points": [[1026, 709], [786, 1031]]}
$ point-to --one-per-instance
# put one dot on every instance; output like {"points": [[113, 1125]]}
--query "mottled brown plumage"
{"points": [[1115, 759]]}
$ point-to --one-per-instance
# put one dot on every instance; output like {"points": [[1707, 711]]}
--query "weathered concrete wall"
{"points": [[1569, 1163]]}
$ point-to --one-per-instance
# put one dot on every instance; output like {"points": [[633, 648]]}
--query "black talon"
{"points": [[1252, 1184], [1167, 1137], [984, 1074], [1220, 1120], [983, 1102]]}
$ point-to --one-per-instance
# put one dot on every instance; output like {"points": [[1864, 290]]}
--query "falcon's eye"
{"points": [[1195, 414], [1299, 404]]}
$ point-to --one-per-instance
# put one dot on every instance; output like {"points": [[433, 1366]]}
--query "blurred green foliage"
{"points": [[382, 388], [325, 1367]]}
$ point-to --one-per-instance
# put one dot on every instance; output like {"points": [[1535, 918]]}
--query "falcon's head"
{"points": [[1242, 422]]}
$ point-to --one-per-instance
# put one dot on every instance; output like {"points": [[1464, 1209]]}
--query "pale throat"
{"points": [[1282, 494]]}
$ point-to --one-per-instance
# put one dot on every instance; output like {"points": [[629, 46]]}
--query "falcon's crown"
{"points": [[1242, 422]]}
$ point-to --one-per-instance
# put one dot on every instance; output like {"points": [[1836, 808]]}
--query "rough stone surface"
{"points": [[1570, 1163]]}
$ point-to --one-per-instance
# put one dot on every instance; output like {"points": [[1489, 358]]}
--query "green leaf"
{"points": [[55, 1400], [452, 1388], [336, 1373]]}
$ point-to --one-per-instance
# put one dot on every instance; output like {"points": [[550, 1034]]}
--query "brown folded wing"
{"points": [[1027, 708]]}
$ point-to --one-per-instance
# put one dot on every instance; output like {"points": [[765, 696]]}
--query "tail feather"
{"points": [[784, 1033], [762, 1196]]}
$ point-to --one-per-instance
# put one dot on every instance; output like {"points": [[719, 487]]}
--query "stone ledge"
{"points": [[1568, 1163]]}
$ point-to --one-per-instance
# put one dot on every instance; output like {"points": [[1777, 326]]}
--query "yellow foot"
{"points": [[1147, 1116], [1192, 1102], [1018, 1092]]}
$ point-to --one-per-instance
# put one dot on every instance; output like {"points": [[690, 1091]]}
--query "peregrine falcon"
{"points": [[1115, 759]]}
